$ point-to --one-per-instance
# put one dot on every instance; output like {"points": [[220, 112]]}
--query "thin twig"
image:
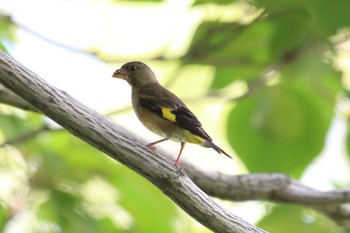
{"points": [[26, 136], [9, 98]]}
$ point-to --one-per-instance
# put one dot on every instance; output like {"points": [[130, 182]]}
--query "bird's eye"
{"points": [[133, 68]]}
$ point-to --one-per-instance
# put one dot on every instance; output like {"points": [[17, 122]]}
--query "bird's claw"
{"points": [[151, 147]]}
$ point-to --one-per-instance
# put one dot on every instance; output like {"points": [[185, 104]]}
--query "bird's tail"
{"points": [[216, 148]]}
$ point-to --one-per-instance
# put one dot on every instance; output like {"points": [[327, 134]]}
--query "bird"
{"points": [[161, 111]]}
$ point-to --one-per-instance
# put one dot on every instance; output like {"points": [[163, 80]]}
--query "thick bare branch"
{"points": [[273, 187], [120, 145]]}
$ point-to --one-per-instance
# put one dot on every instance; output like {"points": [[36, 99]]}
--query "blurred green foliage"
{"points": [[279, 125], [7, 32], [283, 121], [289, 218], [63, 167]]}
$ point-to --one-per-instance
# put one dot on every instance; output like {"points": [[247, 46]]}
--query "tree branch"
{"points": [[26, 136], [120, 145], [10, 98], [273, 187]]}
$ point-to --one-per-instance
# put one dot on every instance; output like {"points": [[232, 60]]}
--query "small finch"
{"points": [[161, 111]]}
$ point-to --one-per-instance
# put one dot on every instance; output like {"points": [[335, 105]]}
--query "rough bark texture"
{"points": [[120, 145], [10, 98]]}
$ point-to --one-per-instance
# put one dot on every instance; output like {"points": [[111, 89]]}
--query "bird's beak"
{"points": [[120, 74]]}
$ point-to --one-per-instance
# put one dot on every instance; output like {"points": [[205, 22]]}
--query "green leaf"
{"points": [[5, 215], [62, 209], [7, 32], [291, 219], [311, 69], [277, 6], [225, 76], [13, 125], [146, 203], [61, 156], [289, 33], [230, 45], [348, 141], [220, 2], [139, 1], [280, 129], [329, 15]]}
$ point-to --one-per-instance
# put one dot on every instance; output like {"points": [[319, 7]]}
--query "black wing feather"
{"points": [[184, 117]]}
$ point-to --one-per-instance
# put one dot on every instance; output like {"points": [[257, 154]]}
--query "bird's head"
{"points": [[136, 74]]}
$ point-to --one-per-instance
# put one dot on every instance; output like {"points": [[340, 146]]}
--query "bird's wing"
{"points": [[168, 106]]}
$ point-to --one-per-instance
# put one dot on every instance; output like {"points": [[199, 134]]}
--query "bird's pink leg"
{"points": [[177, 162], [151, 145]]}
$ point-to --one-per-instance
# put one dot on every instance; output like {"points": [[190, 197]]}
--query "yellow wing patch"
{"points": [[191, 138], [167, 114], [187, 135]]}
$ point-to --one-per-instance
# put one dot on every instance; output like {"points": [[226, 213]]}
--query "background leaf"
{"points": [[329, 21], [280, 129], [289, 219]]}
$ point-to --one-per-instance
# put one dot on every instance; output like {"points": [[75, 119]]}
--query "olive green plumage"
{"points": [[161, 111]]}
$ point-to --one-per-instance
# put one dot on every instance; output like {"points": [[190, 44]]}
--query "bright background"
{"points": [[294, 119]]}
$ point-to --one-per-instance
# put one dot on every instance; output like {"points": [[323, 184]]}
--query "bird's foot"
{"points": [[151, 147], [177, 163]]}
